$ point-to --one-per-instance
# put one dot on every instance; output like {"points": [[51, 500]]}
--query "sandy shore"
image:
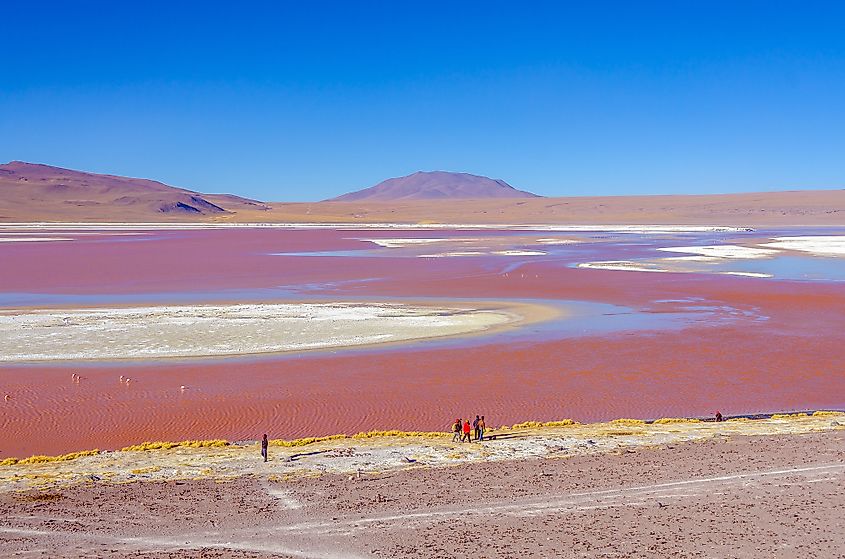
{"points": [[236, 329], [737, 489]]}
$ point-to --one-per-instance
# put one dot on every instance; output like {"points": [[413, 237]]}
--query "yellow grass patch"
{"points": [[305, 441], [665, 420], [377, 434], [823, 413], [540, 424], [789, 415], [362, 435], [149, 470], [161, 445], [626, 421], [39, 497], [40, 459]]}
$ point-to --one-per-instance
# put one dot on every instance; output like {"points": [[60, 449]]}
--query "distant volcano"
{"points": [[436, 185]]}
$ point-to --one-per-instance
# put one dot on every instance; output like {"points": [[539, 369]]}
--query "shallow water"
{"points": [[628, 344]]}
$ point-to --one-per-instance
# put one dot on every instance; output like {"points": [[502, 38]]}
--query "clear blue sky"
{"points": [[306, 100]]}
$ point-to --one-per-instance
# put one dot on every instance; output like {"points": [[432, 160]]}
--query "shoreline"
{"points": [[385, 451], [108, 226]]}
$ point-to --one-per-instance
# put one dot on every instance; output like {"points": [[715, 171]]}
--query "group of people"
{"points": [[463, 432]]}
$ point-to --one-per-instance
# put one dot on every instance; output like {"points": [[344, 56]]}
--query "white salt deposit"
{"points": [[723, 251], [748, 274], [819, 245], [402, 243], [624, 265], [31, 239], [519, 252], [556, 241], [209, 330]]}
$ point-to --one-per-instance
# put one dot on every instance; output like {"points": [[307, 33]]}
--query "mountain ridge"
{"points": [[47, 190]]}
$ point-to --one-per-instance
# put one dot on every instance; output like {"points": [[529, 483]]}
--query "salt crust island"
{"points": [[189, 331]]}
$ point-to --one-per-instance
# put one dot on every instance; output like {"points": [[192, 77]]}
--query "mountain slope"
{"points": [[30, 191], [436, 185]]}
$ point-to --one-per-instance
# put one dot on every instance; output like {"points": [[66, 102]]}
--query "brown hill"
{"points": [[30, 192], [436, 185]]}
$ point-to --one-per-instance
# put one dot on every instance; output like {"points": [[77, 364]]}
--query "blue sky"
{"points": [[307, 100]]}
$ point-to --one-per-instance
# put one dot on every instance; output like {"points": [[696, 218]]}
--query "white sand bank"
{"points": [[215, 330]]}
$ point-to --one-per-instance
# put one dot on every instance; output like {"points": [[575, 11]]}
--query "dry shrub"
{"points": [[665, 420], [305, 441], [626, 421], [362, 435], [394, 433], [41, 459], [39, 497], [823, 413], [163, 445], [560, 423], [539, 424], [527, 425], [148, 470], [789, 415]]}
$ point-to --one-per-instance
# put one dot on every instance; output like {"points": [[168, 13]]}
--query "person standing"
{"points": [[467, 433], [481, 427], [264, 444], [456, 431], [475, 427]]}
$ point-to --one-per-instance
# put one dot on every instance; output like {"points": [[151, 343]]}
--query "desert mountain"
{"points": [[436, 185], [30, 191]]}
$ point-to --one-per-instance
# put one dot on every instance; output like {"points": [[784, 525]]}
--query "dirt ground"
{"points": [[738, 496]]}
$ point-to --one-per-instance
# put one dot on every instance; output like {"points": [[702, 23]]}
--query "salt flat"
{"points": [[236, 329]]}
